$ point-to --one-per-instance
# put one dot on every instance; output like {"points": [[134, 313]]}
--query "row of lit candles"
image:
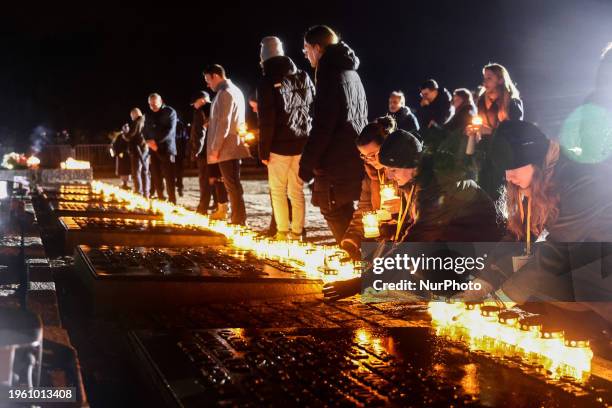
{"points": [[505, 334], [328, 263]]}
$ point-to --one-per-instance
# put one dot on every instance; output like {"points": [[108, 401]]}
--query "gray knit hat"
{"points": [[271, 47]]}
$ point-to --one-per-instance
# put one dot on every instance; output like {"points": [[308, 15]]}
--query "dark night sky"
{"points": [[84, 68]]}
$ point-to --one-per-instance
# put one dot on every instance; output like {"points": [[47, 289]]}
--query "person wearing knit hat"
{"points": [[284, 96], [270, 47], [401, 154], [554, 206], [435, 208]]}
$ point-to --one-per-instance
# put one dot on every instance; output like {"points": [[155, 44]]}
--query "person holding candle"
{"points": [[499, 100], [465, 110], [368, 142], [562, 211], [139, 153]]}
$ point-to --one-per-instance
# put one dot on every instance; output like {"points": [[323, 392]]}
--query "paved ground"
{"points": [[258, 207]]}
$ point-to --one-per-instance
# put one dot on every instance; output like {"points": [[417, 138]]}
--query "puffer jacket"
{"points": [[405, 119], [340, 112], [284, 96], [438, 111]]}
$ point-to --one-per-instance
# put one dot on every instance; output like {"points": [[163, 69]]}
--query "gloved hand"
{"points": [[351, 248], [342, 289]]}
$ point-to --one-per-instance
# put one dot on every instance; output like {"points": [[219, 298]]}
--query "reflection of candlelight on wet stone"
{"points": [[501, 333], [300, 256]]}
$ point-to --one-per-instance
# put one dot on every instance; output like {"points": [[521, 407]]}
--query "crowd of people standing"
{"points": [[463, 166]]}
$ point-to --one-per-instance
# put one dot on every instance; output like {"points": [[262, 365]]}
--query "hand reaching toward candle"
{"points": [[342, 289], [351, 248]]}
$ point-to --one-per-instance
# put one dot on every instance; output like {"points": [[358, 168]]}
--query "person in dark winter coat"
{"points": [[182, 147], [566, 209], [139, 153], [119, 148], [403, 116], [464, 111], [436, 105], [160, 133], [499, 101], [437, 207], [201, 112], [340, 112], [284, 96]]}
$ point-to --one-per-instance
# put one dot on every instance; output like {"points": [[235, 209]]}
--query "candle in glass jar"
{"points": [[370, 224], [387, 192]]}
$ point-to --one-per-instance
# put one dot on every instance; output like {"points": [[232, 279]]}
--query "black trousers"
{"points": [[179, 162], [338, 219], [208, 190], [230, 171], [162, 168]]}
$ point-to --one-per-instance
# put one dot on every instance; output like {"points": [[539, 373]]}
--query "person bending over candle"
{"points": [[562, 210], [369, 142], [436, 205]]}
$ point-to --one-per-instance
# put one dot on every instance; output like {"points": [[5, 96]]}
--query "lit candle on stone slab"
{"points": [[370, 224]]}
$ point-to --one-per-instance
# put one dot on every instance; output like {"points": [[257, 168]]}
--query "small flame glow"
{"points": [[33, 161], [72, 164], [509, 339], [318, 262]]}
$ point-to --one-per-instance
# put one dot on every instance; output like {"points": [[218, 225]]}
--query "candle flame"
{"points": [[312, 261], [484, 329]]}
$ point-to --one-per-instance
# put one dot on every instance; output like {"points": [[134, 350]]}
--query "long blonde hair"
{"points": [[506, 91], [543, 194]]}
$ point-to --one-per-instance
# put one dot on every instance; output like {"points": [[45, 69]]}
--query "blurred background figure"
{"points": [[139, 153], [436, 105], [403, 116], [465, 110], [182, 147], [160, 134], [119, 150]]}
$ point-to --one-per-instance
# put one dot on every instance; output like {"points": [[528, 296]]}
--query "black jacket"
{"points": [[284, 96], [438, 111], [405, 119], [490, 177], [137, 145], [161, 127], [460, 119], [450, 210], [197, 133], [572, 263], [340, 112]]}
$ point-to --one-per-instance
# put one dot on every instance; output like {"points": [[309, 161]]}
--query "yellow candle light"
{"points": [[370, 224], [387, 192], [477, 121]]}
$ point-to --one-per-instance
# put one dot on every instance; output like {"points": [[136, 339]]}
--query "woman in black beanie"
{"points": [[563, 205], [437, 206]]}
